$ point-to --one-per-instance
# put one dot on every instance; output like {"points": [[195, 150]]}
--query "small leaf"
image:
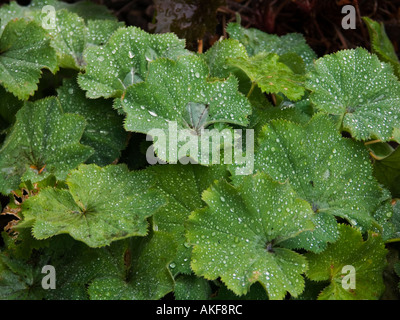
{"points": [[257, 41], [125, 55], [368, 258], [101, 205], [24, 51], [238, 236], [363, 91], [380, 150], [381, 44], [216, 57], [271, 75], [43, 142]]}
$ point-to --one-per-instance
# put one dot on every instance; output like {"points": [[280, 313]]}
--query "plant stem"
{"points": [[251, 89]]}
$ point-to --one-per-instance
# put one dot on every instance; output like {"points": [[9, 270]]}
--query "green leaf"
{"points": [[24, 51], [9, 105], [238, 236], [21, 243], [332, 173], [77, 265], [380, 150], [360, 89], [256, 292], [124, 60], [182, 185], [368, 258], [104, 131], [84, 212], [271, 75], [86, 9], [381, 44], [387, 172], [68, 39], [43, 142], [216, 57], [190, 287], [100, 31], [20, 280], [396, 219], [71, 37], [179, 93], [145, 275], [257, 41]]}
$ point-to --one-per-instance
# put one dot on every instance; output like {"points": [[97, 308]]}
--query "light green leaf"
{"points": [[381, 44], [368, 258], [85, 9], [182, 185], [363, 91], [101, 205], [238, 236], [10, 11], [271, 75], [257, 41], [332, 173], [43, 142], [145, 275], [68, 31], [68, 39], [124, 60], [178, 93], [104, 131], [216, 57], [71, 37], [100, 31], [24, 51]]}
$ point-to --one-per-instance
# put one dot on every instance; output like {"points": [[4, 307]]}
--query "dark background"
{"points": [[318, 20]]}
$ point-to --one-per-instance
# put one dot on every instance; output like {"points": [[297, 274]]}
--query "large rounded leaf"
{"points": [[359, 88]]}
